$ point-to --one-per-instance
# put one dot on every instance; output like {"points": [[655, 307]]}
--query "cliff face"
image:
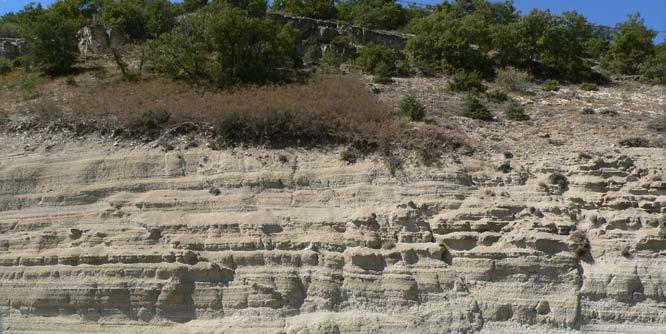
{"points": [[101, 238]]}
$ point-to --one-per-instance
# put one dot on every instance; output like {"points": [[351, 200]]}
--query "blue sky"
{"points": [[604, 12]]}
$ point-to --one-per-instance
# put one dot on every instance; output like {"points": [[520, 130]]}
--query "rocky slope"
{"points": [[99, 238], [548, 227]]}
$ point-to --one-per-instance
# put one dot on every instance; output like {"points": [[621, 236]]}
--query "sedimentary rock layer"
{"points": [[96, 238]]}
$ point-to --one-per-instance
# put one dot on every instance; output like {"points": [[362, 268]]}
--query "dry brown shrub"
{"points": [[324, 109], [333, 106]]}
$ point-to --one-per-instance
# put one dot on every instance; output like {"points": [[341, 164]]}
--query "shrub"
{"points": [[515, 112], [464, 81], [21, 61], [29, 82], [512, 79], [635, 142], [331, 58], [383, 74], [312, 53], [588, 86], [5, 65], [318, 9], [277, 127], [412, 108], [53, 43], [374, 58], [350, 155], [580, 244], [149, 120], [473, 108], [215, 191], [497, 96], [559, 181], [551, 85]]}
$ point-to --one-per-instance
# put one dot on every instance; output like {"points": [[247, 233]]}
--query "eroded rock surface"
{"points": [[96, 238]]}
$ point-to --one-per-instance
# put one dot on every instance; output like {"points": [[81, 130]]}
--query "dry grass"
{"points": [[325, 109]]}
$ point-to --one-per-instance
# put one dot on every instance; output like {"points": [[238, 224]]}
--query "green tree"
{"points": [[184, 52], [653, 69], [250, 49], [374, 14], [9, 30], [17, 24], [224, 48], [53, 42], [545, 44], [318, 9], [630, 46], [81, 10], [443, 42], [140, 19]]}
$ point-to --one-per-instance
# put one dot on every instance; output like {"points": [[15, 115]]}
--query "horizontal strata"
{"points": [[295, 241]]}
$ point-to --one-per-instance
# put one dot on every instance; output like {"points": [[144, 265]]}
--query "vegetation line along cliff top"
{"points": [[316, 166]]}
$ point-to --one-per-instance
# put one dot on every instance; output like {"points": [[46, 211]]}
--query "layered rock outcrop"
{"points": [[12, 47], [325, 31], [95, 238]]}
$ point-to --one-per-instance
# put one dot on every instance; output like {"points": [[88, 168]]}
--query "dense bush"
{"points": [[445, 43], [250, 49], [513, 79], [464, 81], [53, 43], [331, 58], [472, 107], [149, 120], [552, 46], [630, 46], [497, 96], [279, 126], [412, 108], [376, 59], [515, 112], [184, 52], [383, 74], [5, 65], [246, 49], [462, 35], [551, 85], [9, 30], [312, 53], [318, 9], [140, 19], [375, 14], [653, 69]]}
